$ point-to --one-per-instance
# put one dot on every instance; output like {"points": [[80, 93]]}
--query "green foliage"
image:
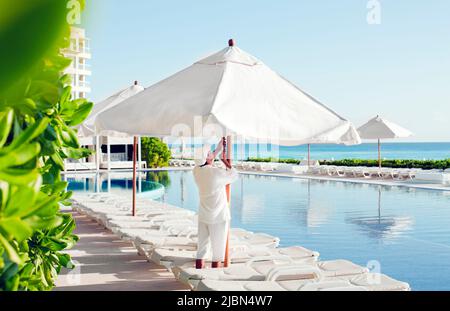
{"points": [[275, 160], [28, 29], [37, 117], [423, 164], [155, 152], [161, 177]]}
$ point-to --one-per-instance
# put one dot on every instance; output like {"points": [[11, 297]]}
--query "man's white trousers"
{"points": [[214, 237]]}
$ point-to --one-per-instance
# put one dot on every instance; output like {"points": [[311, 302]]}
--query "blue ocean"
{"points": [[389, 150], [415, 151]]}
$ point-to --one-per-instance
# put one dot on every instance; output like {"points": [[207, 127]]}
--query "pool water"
{"points": [[402, 232]]}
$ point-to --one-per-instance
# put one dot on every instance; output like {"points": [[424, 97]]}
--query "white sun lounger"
{"points": [[104, 211], [361, 282], [146, 241], [262, 269], [185, 259]]}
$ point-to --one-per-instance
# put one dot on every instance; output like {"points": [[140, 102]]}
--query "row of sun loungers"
{"points": [[181, 163], [436, 176], [363, 172], [329, 170], [167, 235]]}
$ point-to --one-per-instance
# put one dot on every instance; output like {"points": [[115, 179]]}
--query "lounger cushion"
{"points": [[340, 267], [378, 282]]}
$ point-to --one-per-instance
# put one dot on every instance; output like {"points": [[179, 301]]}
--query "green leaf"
{"points": [[47, 148], [19, 156], [4, 194], [44, 206], [65, 261], [69, 137], [22, 198], [66, 79], [26, 106], [19, 176], [77, 153], [10, 251], [8, 272], [40, 223], [81, 113], [65, 96], [44, 89], [16, 227], [58, 161], [29, 134], [6, 120], [54, 244], [50, 133]]}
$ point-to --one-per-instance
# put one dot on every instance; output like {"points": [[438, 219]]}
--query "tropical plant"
{"points": [[37, 116], [161, 177], [275, 160], [155, 152]]}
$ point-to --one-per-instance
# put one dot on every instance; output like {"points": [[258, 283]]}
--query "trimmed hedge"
{"points": [[275, 160], [423, 164]]}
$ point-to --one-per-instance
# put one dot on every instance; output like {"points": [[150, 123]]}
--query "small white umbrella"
{"points": [[231, 90], [339, 135], [87, 128], [379, 128]]}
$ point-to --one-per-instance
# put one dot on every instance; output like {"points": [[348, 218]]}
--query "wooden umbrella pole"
{"points": [[379, 154], [227, 156], [309, 154], [134, 175]]}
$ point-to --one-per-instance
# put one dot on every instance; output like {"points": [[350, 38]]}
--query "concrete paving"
{"points": [[104, 262]]}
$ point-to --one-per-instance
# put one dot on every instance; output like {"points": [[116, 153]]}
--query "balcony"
{"points": [[78, 46], [81, 86], [81, 68]]}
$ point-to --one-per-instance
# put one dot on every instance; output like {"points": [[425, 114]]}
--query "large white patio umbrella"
{"points": [[379, 128], [87, 128], [233, 92]]}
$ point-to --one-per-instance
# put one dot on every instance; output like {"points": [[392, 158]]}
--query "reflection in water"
{"points": [[317, 213], [381, 227], [118, 182], [303, 209]]}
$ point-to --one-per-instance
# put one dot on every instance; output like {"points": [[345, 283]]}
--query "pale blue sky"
{"points": [[399, 69]]}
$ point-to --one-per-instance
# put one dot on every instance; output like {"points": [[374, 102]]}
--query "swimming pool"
{"points": [[402, 231]]}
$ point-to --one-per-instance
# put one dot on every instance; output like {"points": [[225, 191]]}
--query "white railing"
{"points": [[115, 157]]}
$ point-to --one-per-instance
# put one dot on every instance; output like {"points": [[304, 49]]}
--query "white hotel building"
{"points": [[112, 152]]}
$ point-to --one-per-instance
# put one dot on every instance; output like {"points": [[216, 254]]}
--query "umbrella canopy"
{"points": [[238, 94], [87, 128], [379, 128]]}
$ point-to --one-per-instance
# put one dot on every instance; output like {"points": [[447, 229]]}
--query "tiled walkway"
{"points": [[104, 262]]}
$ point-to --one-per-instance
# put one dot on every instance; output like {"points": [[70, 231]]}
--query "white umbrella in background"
{"points": [[379, 128], [339, 135], [87, 128], [235, 92]]}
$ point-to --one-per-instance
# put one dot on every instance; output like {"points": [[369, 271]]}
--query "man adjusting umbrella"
{"points": [[228, 93]]}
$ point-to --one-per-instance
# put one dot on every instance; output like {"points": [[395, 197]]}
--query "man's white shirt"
{"points": [[211, 183]]}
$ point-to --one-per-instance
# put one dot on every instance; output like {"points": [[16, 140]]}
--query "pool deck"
{"points": [[370, 181], [106, 263]]}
